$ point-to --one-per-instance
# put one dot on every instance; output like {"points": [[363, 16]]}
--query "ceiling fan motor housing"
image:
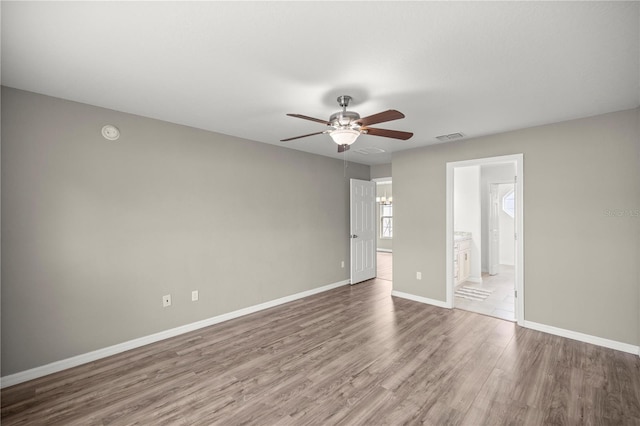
{"points": [[344, 118]]}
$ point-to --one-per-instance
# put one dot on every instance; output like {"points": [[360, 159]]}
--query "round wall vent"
{"points": [[110, 132]]}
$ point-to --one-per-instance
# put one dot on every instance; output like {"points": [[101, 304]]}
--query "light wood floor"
{"points": [[384, 266], [353, 355]]}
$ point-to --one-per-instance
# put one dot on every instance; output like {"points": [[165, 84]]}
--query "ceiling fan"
{"points": [[345, 126]]}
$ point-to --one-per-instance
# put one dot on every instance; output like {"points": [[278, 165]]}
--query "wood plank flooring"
{"points": [[384, 270], [349, 356]]}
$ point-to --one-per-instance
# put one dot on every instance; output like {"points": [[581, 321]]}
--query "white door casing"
{"points": [[363, 230], [518, 160]]}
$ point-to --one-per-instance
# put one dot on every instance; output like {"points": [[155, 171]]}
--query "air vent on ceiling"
{"points": [[369, 150], [450, 137]]}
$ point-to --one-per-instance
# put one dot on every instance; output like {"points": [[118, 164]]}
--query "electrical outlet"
{"points": [[166, 300], [418, 275], [342, 264], [194, 295]]}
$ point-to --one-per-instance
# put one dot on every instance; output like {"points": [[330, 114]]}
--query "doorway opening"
{"points": [[384, 221], [484, 236], [385, 266]]}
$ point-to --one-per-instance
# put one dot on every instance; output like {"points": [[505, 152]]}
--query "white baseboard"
{"points": [[569, 334], [581, 337], [420, 299], [54, 367], [385, 250]]}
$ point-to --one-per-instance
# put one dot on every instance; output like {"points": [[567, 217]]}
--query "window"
{"points": [[509, 203], [386, 221]]}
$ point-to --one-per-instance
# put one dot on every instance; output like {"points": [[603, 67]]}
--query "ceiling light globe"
{"points": [[344, 136]]}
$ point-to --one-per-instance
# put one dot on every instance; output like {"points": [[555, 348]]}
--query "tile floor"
{"points": [[501, 302]]}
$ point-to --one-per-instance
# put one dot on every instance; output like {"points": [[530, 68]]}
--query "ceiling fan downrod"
{"points": [[343, 101]]}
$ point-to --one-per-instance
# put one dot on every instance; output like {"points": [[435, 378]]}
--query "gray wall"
{"points": [[95, 232], [381, 171], [581, 266]]}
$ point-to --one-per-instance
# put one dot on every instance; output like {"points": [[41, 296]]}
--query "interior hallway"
{"points": [[385, 266]]}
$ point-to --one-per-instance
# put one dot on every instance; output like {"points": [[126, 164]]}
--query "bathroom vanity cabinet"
{"points": [[462, 259]]}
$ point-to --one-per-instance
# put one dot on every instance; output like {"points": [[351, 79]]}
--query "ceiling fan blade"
{"points": [[303, 136], [304, 117], [381, 117], [395, 134], [343, 148]]}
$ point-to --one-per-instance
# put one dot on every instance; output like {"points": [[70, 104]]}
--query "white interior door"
{"points": [[363, 230], [494, 230]]}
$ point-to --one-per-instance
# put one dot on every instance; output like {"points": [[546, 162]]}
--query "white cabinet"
{"points": [[462, 260]]}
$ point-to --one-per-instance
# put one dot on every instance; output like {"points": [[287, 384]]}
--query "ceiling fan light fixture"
{"points": [[345, 126], [344, 136]]}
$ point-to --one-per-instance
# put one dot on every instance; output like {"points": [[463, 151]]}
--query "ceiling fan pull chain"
{"points": [[346, 162]]}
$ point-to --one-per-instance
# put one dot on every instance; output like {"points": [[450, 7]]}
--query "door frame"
{"points": [[518, 159]]}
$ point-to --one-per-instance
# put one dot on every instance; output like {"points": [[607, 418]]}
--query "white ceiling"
{"points": [[238, 67]]}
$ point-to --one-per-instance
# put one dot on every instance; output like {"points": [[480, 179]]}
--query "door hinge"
{"points": [[515, 293], [515, 236]]}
